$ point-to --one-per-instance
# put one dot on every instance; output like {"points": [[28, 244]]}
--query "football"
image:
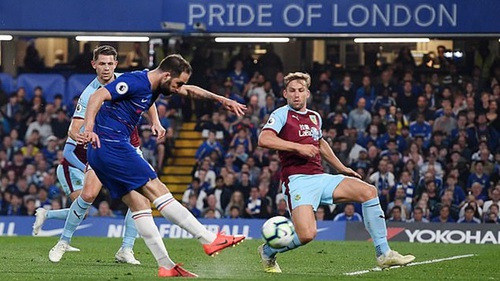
{"points": [[278, 232]]}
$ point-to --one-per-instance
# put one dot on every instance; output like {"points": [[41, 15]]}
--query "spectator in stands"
{"points": [[41, 126], [418, 216], [469, 216], [493, 215], [193, 188], [396, 214], [222, 192], [384, 181], [268, 108], [237, 201], [234, 213], [238, 76], [422, 107], [482, 132], [406, 99], [346, 90], [207, 147], [32, 61], [445, 123], [212, 209], [50, 151], [60, 124], [494, 196], [254, 203], [191, 205], [392, 134], [242, 137], [478, 176], [348, 214], [444, 215], [282, 209], [14, 207], [104, 210], [359, 118], [320, 213]]}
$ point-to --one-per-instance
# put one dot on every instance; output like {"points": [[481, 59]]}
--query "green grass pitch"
{"points": [[26, 258]]}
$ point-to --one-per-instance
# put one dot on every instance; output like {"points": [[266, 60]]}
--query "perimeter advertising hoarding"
{"points": [[452, 233], [113, 227]]}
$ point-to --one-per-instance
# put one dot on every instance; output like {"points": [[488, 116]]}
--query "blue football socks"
{"points": [[130, 231], [374, 220], [271, 252], [75, 217], [61, 214]]}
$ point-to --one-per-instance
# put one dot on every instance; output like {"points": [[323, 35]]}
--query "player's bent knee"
{"points": [[371, 192], [307, 236], [88, 196]]}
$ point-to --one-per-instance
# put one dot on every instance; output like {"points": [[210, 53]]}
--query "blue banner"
{"points": [[113, 227], [254, 16]]}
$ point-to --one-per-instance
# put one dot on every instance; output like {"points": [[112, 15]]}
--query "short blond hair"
{"points": [[298, 76]]}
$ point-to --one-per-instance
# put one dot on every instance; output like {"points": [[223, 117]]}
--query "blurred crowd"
{"points": [[427, 137]]}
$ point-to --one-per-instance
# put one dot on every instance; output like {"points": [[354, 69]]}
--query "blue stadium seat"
{"points": [[51, 84], [7, 83], [76, 85]]}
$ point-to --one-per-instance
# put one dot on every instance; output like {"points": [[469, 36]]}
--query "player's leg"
{"points": [[76, 214], [352, 189], [303, 194], [126, 254], [141, 213], [173, 211], [71, 180]]}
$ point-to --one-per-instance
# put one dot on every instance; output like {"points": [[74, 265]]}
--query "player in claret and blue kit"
{"points": [[295, 132]]}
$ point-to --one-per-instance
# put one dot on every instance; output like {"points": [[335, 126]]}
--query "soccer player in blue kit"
{"points": [[295, 132], [84, 186], [112, 113]]}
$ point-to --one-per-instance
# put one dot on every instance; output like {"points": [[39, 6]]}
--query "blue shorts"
{"points": [[71, 178], [119, 167], [310, 190]]}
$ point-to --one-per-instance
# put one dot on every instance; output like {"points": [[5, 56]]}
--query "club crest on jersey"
{"points": [[121, 88], [297, 197], [313, 119]]}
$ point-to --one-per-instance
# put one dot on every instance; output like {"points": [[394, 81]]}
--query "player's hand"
{"points": [[158, 131], [351, 172], [308, 150], [235, 107], [92, 138]]}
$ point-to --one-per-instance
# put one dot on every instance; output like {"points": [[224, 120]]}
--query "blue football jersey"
{"points": [[131, 95]]}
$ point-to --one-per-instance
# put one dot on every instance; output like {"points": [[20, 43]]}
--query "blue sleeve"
{"points": [[123, 86], [69, 154], [277, 120]]}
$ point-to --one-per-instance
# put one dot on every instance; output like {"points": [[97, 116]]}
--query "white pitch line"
{"points": [[411, 264]]}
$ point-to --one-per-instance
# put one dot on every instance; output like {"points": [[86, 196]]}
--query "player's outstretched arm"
{"points": [[269, 139], [197, 92], [330, 157], [95, 103]]}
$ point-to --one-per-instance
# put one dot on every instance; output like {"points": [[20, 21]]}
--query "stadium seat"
{"points": [[51, 84], [7, 83], [76, 85]]}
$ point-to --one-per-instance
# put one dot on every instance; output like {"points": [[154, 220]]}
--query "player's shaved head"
{"points": [[105, 50], [298, 76], [175, 64]]}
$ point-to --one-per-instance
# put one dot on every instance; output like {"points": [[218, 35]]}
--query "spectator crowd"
{"points": [[426, 137]]}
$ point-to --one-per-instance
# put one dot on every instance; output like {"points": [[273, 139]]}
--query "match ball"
{"points": [[278, 232]]}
